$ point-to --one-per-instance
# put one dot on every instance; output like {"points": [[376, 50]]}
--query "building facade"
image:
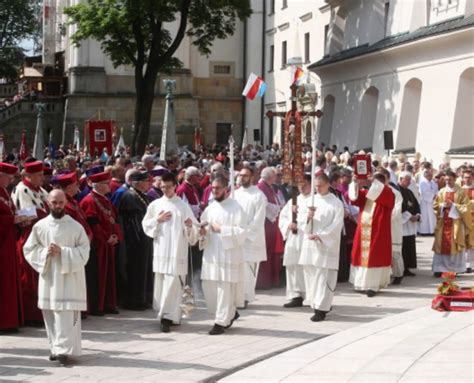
{"points": [[406, 67]]}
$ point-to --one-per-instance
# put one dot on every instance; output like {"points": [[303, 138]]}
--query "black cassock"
{"points": [[136, 255], [410, 204]]}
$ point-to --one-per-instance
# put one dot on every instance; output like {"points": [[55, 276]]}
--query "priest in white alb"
{"points": [[254, 204], [320, 248], [222, 239], [169, 221], [58, 249], [295, 283]]}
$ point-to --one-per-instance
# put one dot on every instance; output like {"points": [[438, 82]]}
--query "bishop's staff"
{"points": [[231, 157]]}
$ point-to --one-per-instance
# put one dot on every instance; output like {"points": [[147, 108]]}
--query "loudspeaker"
{"points": [[388, 139], [256, 135]]}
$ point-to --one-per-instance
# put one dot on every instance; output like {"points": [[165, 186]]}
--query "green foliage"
{"points": [[135, 32], [17, 22]]}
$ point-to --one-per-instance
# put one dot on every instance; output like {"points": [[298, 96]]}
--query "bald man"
{"points": [[58, 249]]}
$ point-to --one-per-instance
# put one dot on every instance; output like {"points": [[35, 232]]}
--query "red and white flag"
{"points": [[255, 87]]}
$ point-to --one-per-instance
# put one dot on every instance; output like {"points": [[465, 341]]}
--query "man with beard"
{"points": [[254, 204], [320, 248], [10, 296], [222, 266], [29, 194], [58, 249], [137, 260], [168, 221], [106, 234]]}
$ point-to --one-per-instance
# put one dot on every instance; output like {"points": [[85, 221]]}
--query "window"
{"points": [[385, 21], [283, 55], [223, 131], [271, 58], [221, 69], [326, 33], [306, 47], [272, 7], [285, 4]]}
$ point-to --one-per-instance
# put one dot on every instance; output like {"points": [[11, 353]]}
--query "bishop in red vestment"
{"points": [[106, 234], [29, 194], [372, 248], [269, 270], [10, 293]]}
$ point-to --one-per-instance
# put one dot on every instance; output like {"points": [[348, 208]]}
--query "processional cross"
{"points": [[293, 165]]}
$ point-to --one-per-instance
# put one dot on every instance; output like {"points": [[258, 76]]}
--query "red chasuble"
{"points": [[10, 294], [373, 241], [269, 270], [102, 217]]}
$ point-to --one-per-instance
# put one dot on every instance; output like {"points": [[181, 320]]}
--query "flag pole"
{"points": [[231, 155]]}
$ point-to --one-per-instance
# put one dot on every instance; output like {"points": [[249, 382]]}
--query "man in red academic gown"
{"points": [[100, 270], [372, 249], [29, 194], [10, 293], [70, 186], [269, 271]]}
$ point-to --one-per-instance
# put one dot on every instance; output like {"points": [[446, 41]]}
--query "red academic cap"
{"points": [[34, 167], [8, 168], [67, 179], [100, 177], [47, 171]]}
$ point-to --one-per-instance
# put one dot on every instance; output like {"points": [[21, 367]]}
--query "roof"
{"points": [[399, 39]]}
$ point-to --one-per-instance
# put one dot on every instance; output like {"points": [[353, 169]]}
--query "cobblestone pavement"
{"points": [[129, 346]]}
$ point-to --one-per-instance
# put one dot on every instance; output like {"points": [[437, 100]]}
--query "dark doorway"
{"points": [[222, 133]]}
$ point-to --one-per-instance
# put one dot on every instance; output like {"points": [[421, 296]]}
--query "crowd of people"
{"points": [[84, 236]]}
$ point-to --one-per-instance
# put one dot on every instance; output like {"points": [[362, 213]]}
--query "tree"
{"points": [[135, 32], [17, 22]]}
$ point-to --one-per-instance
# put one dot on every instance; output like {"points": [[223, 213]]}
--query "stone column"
{"points": [[169, 146]]}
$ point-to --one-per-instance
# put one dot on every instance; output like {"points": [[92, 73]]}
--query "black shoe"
{"points": [[96, 313], [397, 280], [216, 330], [371, 293], [437, 274], [295, 302], [111, 311], [62, 359], [165, 325], [408, 273], [318, 316], [34, 323], [236, 316], [83, 315], [469, 270], [53, 357]]}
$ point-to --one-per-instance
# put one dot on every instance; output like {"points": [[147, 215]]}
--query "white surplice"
{"points": [[171, 240], [428, 192], [295, 285], [62, 282], [320, 259], [397, 235], [254, 204], [223, 259]]}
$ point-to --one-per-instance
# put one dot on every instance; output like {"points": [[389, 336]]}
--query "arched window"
{"points": [[463, 125], [409, 115], [367, 119], [325, 127]]}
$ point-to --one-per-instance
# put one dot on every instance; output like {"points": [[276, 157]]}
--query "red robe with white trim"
{"points": [[11, 315], [373, 239]]}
